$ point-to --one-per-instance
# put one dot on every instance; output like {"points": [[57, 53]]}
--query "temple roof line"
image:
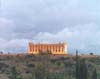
{"points": [[48, 43]]}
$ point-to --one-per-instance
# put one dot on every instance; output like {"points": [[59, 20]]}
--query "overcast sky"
{"points": [[73, 21]]}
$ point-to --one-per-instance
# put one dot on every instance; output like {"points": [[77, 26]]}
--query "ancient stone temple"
{"points": [[58, 48]]}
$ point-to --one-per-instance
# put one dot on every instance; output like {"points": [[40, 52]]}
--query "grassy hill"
{"points": [[44, 67]]}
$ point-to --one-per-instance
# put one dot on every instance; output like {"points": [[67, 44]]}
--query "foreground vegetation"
{"points": [[47, 67]]}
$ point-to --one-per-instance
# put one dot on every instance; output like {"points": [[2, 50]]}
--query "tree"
{"points": [[40, 72], [15, 74], [83, 70], [91, 53], [94, 75], [77, 65]]}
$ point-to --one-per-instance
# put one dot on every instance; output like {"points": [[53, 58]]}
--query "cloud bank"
{"points": [[73, 21]]}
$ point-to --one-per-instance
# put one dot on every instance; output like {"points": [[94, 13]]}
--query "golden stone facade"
{"points": [[60, 48]]}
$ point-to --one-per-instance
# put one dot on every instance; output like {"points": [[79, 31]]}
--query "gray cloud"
{"points": [[14, 45], [74, 21], [82, 37]]}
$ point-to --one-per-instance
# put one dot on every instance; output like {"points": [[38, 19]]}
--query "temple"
{"points": [[58, 48]]}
